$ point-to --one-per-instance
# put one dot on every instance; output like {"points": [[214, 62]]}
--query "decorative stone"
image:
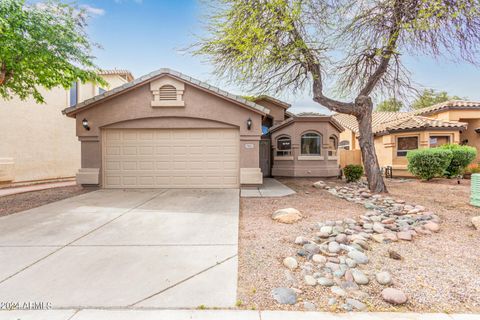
{"points": [[360, 306], [358, 257], [317, 258], [476, 222], [394, 255], [378, 238], [311, 248], [334, 247], [287, 215], [326, 282], [378, 227], [310, 281], [432, 226], [341, 238], [308, 306], [404, 235], [350, 263], [290, 262], [284, 295], [320, 185], [359, 277], [336, 290], [326, 229], [394, 296], [383, 278], [301, 240]]}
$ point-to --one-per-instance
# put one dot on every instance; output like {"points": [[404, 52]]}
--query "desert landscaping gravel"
{"points": [[28, 200], [438, 272]]}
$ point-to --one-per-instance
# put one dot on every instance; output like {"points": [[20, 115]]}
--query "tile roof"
{"points": [[386, 122], [350, 122], [416, 122], [272, 99], [158, 73], [303, 115], [449, 105], [121, 72]]}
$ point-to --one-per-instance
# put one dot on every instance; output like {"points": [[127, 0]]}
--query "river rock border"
{"points": [[336, 256]]}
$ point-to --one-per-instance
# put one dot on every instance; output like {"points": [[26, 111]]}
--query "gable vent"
{"points": [[168, 92]]}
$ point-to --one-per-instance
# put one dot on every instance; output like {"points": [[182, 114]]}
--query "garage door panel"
{"points": [[171, 158]]}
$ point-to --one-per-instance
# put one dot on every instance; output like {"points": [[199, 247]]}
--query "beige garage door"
{"points": [[171, 158]]}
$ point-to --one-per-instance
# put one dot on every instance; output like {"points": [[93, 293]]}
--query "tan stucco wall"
{"points": [[296, 166], [276, 112], [472, 117], [349, 136], [386, 148], [202, 109], [39, 138]]}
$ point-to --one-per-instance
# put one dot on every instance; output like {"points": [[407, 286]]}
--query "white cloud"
{"points": [[93, 10]]}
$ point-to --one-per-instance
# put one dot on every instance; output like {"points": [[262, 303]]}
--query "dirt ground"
{"points": [[439, 272], [24, 201]]}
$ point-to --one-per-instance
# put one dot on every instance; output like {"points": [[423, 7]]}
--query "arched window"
{"points": [[311, 144], [344, 144], [168, 92], [332, 145], [284, 146]]}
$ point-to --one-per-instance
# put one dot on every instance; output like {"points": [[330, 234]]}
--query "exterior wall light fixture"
{"points": [[85, 124], [249, 124]]}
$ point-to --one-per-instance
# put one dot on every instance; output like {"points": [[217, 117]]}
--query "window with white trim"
{"points": [[437, 141], [405, 144], [284, 146], [310, 144]]}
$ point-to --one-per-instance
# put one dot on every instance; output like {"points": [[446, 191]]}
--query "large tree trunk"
{"points": [[364, 108]]}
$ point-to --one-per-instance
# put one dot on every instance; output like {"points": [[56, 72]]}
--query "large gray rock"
{"points": [[287, 215], [358, 257], [284, 295], [394, 296]]}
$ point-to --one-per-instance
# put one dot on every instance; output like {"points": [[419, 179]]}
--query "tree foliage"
{"points": [[391, 104], [347, 46], [42, 45], [429, 97]]}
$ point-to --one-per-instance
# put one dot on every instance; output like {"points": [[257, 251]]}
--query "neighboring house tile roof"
{"points": [[413, 122], [350, 122], [155, 74], [121, 72], [310, 114], [449, 105], [386, 122]]}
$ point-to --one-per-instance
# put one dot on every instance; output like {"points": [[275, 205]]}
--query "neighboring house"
{"points": [[167, 129], [38, 143], [398, 132]]}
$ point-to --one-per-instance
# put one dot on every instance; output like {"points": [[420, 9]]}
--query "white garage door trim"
{"points": [[170, 158]]}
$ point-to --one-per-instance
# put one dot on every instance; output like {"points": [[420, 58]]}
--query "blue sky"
{"points": [[145, 35]]}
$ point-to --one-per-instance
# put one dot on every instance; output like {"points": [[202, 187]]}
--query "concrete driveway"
{"points": [[124, 248]]}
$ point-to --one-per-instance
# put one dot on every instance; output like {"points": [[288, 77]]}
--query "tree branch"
{"points": [[387, 52]]}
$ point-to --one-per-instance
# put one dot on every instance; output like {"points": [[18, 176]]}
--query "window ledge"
{"points": [[285, 158], [311, 158], [168, 103], [332, 158]]}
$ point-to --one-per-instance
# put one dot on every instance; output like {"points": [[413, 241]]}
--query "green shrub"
{"points": [[428, 163], [462, 156], [353, 172]]}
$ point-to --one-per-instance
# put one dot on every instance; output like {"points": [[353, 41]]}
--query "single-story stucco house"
{"points": [[397, 132], [169, 130], [38, 143]]}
